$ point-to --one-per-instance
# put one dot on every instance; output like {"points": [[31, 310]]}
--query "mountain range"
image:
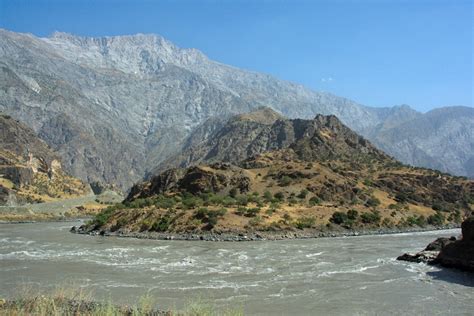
{"points": [[115, 108]]}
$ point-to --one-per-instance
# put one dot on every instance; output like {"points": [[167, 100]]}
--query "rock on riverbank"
{"points": [[449, 252]]}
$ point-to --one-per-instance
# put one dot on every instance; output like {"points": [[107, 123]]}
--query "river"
{"points": [[332, 276]]}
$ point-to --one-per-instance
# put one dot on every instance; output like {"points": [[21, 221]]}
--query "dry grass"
{"points": [[77, 301]]}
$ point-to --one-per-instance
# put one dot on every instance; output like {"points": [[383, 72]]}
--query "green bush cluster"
{"points": [[344, 219], [436, 219], [248, 212], [416, 221], [210, 217], [305, 222], [371, 217]]}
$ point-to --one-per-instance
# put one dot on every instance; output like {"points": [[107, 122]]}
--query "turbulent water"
{"points": [[353, 275]]}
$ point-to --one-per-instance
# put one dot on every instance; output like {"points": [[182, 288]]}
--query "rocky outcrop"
{"points": [[449, 252], [430, 253], [460, 254], [29, 169], [216, 178]]}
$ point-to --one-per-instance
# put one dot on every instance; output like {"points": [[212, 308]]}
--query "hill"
{"points": [[326, 178], [30, 172]]}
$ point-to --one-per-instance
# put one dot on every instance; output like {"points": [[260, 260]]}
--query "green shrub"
{"points": [[191, 202], [285, 181], [267, 196], [252, 212], [303, 194], [241, 210], [280, 196], [436, 219], [338, 218], [305, 222], [242, 200], [372, 202], [233, 192], [255, 221], [162, 224], [416, 220], [352, 214], [314, 201], [371, 217]]}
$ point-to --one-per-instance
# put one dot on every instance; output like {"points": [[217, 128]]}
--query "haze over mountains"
{"points": [[114, 108]]}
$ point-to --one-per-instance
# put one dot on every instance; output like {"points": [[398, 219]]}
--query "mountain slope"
{"points": [[139, 98], [29, 170], [440, 139]]}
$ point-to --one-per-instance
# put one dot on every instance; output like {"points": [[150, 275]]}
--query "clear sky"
{"points": [[376, 52]]}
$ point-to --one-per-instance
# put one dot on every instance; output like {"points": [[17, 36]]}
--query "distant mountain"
{"points": [[116, 107], [311, 176], [30, 171], [441, 139]]}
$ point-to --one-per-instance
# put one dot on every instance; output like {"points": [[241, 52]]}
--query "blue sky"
{"points": [[376, 52]]}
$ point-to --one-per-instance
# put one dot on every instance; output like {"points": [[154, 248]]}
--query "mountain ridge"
{"points": [[107, 113]]}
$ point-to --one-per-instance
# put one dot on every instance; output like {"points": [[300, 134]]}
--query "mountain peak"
{"points": [[263, 115]]}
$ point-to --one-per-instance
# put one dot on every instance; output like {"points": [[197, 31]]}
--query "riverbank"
{"points": [[260, 235], [61, 304]]}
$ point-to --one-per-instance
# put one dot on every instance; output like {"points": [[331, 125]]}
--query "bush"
{"points": [[314, 201], [436, 219], [162, 224], [305, 222], [416, 220], [303, 194], [280, 196], [371, 217], [191, 202], [338, 218], [352, 214], [372, 202], [255, 221], [241, 210], [242, 200], [252, 212], [285, 181], [292, 201], [267, 196], [210, 216], [233, 192]]}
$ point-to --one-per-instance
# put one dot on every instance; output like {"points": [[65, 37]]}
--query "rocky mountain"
{"points": [[440, 139], [246, 135], [29, 170], [306, 176], [116, 107]]}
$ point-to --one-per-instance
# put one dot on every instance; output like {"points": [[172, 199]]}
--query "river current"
{"points": [[325, 276]]}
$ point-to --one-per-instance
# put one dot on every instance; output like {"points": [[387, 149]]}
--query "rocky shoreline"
{"points": [[258, 235]]}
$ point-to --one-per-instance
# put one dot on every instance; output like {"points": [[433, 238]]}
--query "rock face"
{"points": [[460, 254], [140, 98], [215, 178], [29, 169]]}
